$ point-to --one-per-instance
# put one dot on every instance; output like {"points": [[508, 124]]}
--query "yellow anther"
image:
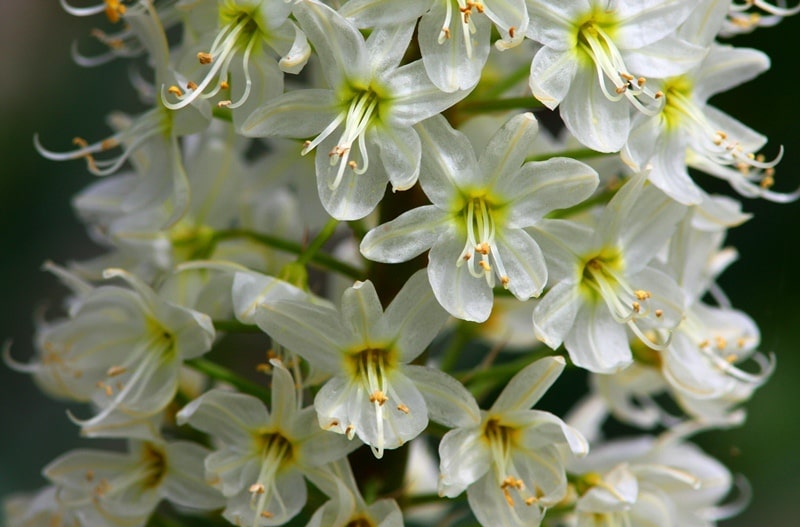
{"points": [[530, 501], [636, 307], [175, 90], [659, 313], [642, 294], [640, 81], [204, 58], [352, 164], [114, 10], [741, 342], [703, 344], [191, 85], [446, 31], [106, 388], [403, 408], [224, 104], [102, 488], [721, 342], [626, 76], [504, 280], [485, 265], [378, 397], [264, 368], [483, 248], [224, 85], [731, 358], [767, 182], [512, 31], [109, 143], [621, 89], [658, 94], [89, 475], [256, 488], [266, 514], [113, 371]]}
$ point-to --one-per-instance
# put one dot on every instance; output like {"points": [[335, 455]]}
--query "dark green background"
{"points": [[42, 91]]}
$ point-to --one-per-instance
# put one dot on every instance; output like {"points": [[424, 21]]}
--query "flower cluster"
{"points": [[251, 197]]}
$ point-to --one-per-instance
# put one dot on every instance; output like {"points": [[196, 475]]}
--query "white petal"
{"points": [[449, 403], [400, 153], [298, 113], [406, 236], [597, 342], [415, 97], [341, 48], [528, 386], [489, 504], [542, 187], [461, 294], [646, 21], [361, 310], [726, 67], [230, 416], [185, 483], [595, 121], [464, 458], [376, 13], [387, 45], [448, 161], [507, 149], [667, 57], [555, 314], [523, 262], [413, 318], [450, 65], [551, 76]]}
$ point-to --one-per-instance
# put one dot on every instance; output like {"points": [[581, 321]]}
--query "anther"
{"points": [[621, 89], [191, 85], [483, 248], [659, 94], [446, 31], [641, 294], [266, 514], [505, 280], [106, 388], [175, 90], [224, 85], [703, 344], [113, 371], [721, 342], [256, 488], [403, 408], [659, 313], [636, 307], [204, 58], [378, 397], [640, 81], [467, 256], [511, 32], [626, 76], [89, 475], [224, 104], [352, 164]]}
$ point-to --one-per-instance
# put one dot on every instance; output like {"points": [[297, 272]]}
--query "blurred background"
{"points": [[43, 92]]}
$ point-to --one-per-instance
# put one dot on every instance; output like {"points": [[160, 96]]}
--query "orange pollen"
{"points": [[204, 58], [256, 488], [378, 397], [175, 90], [403, 408], [113, 371]]}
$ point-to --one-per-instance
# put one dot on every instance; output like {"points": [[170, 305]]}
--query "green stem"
{"points": [[578, 153], [316, 244], [461, 337], [506, 83], [600, 199], [501, 373], [221, 373], [223, 114], [495, 105], [234, 326], [321, 259]]}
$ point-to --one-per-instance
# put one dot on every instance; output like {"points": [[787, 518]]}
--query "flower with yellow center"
{"points": [[507, 458], [598, 54], [474, 228], [374, 393]]}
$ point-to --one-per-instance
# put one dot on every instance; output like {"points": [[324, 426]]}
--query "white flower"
{"points": [[372, 100], [603, 283], [237, 64], [474, 228], [641, 481], [454, 35], [263, 456], [123, 489], [508, 458], [689, 131], [374, 393], [121, 349], [597, 53]]}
